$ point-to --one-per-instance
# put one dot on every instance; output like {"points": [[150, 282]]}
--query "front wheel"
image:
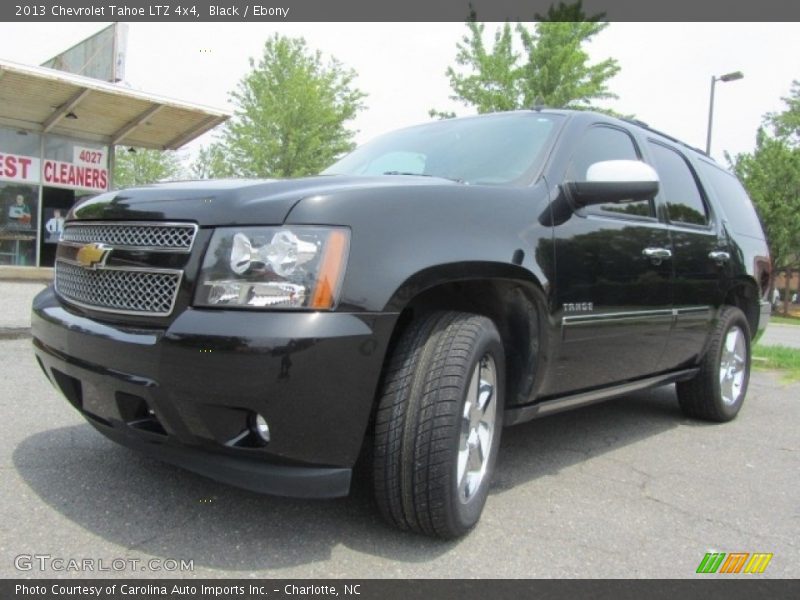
{"points": [[438, 424], [718, 390]]}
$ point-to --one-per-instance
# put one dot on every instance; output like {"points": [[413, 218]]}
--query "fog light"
{"points": [[261, 428]]}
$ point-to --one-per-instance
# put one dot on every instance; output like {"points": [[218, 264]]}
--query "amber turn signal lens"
{"points": [[331, 270]]}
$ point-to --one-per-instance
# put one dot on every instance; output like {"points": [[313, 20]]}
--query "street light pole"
{"points": [[710, 116], [714, 79]]}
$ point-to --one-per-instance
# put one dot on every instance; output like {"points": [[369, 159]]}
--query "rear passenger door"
{"points": [[698, 253]]}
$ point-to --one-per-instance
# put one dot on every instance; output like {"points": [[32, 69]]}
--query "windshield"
{"points": [[498, 149]]}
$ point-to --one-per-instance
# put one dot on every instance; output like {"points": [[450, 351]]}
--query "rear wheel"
{"points": [[718, 390], [438, 424]]}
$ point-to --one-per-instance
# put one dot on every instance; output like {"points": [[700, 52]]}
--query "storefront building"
{"points": [[57, 137]]}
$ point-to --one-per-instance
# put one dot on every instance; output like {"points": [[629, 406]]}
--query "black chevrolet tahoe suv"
{"points": [[401, 308]]}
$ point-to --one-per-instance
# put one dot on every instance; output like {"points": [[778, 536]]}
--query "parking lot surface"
{"points": [[15, 304], [629, 488], [778, 334]]}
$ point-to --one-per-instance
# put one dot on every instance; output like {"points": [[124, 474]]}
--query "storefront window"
{"points": [[18, 223], [68, 150], [62, 148], [19, 196], [21, 143]]}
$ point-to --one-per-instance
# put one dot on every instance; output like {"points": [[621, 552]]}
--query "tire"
{"points": [[429, 473], [718, 390]]}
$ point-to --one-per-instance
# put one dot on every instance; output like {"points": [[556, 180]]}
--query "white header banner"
{"points": [[14, 167]]}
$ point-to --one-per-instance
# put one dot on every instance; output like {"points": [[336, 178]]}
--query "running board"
{"points": [[521, 414]]}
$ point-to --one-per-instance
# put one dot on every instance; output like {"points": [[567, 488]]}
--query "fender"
{"points": [[441, 274]]}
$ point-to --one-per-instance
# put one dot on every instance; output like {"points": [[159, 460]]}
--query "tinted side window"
{"points": [[678, 187], [733, 199], [607, 143]]}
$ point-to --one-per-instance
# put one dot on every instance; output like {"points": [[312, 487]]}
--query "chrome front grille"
{"points": [[118, 290], [176, 237], [121, 286]]}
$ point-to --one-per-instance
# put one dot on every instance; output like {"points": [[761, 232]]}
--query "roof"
{"points": [[42, 99]]}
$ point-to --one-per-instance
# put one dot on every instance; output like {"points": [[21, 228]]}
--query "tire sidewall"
{"points": [[466, 515]]}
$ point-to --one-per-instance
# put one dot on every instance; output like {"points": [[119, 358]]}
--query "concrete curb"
{"points": [[14, 333], [38, 274]]}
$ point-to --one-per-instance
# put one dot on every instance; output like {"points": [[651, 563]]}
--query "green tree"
{"points": [[771, 174], [552, 70], [143, 166], [786, 124], [211, 163], [492, 78], [291, 111]]}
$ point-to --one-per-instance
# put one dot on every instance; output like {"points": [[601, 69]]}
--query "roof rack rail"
{"points": [[635, 122], [644, 125]]}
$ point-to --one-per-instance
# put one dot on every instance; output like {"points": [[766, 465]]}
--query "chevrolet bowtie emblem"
{"points": [[91, 256]]}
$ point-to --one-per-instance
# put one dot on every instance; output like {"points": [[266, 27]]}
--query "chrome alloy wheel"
{"points": [[732, 365], [477, 428]]}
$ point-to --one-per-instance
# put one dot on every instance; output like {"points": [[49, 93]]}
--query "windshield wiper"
{"points": [[422, 175]]}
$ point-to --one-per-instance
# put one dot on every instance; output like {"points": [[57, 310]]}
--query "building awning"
{"points": [[51, 101]]}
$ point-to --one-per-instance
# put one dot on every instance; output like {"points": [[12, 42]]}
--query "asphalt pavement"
{"points": [[629, 488], [778, 334]]}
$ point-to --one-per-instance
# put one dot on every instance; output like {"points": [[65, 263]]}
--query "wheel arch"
{"points": [[743, 293], [511, 296]]}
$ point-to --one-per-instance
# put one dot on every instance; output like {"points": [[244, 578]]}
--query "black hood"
{"points": [[229, 201]]}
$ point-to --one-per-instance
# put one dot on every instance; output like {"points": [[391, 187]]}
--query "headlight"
{"points": [[274, 267]]}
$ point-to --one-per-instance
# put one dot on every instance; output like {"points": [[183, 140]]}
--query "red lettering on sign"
{"points": [[24, 163], [75, 175], [9, 166], [21, 168]]}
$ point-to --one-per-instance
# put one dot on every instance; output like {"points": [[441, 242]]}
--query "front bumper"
{"points": [[187, 394]]}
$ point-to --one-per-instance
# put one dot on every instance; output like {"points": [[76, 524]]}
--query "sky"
{"points": [[665, 76]]}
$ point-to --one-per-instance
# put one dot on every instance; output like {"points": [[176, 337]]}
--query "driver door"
{"points": [[613, 279]]}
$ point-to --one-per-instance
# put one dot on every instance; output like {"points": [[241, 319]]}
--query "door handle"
{"points": [[719, 256], [657, 254]]}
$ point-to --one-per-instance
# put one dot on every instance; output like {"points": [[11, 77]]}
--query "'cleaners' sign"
{"points": [[74, 176], [29, 169]]}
